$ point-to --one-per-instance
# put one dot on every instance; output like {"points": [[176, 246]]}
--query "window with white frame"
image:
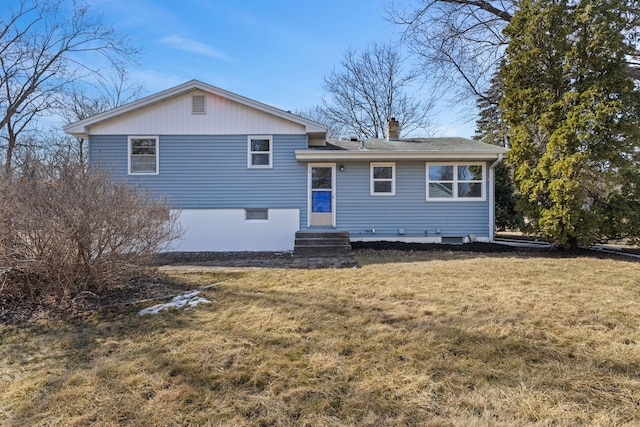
{"points": [[383, 179], [143, 154], [260, 152], [460, 181]]}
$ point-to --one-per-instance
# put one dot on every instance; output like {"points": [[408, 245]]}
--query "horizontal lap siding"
{"points": [[357, 210], [198, 171], [210, 172]]}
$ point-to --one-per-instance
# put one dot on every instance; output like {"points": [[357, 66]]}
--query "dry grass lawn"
{"points": [[428, 339]]}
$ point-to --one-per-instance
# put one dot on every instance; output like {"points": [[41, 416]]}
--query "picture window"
{"points": [[455, 181]]}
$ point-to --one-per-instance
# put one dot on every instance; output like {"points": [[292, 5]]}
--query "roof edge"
{"points": [[82, 127], [393, 155]]}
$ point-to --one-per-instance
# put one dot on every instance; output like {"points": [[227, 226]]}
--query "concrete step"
{"points": [[322, 250], [300, 241], [322, 234], [322, 243]]}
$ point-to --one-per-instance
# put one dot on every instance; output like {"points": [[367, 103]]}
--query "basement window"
{"points": [[256, 214]]}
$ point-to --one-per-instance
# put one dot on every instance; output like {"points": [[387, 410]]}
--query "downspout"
{"points": [[492, 198]]}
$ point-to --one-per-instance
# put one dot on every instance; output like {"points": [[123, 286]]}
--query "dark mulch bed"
{"points": [[467, 247], [493, 248]]}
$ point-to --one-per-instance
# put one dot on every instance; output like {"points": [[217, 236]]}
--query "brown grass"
{"points": [[408, 339]]}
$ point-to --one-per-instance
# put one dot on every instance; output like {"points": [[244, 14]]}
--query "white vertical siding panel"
{"points": [[173, 117]]}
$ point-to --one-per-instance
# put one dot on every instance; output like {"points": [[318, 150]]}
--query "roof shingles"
{"points": [[448, 144]]}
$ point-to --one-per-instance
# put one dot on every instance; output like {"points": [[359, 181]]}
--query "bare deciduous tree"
{"points": [[461, 42], [45, 45], [370, 88], [88, 99], [318, 114]]}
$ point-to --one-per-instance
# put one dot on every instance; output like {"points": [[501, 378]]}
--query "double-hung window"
{"points": [[383, 179], [143, 155], [455, 181], [260, 152]]}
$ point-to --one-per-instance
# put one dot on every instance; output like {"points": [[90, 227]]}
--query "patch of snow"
{"points": [[185, 300]]}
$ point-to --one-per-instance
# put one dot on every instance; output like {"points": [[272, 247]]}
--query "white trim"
{"points": [[401, 239], [83, 127], [129, 154], [386, 155], [455, 181], [333, 191], [372, 180], [437, 239], [250, 164]]}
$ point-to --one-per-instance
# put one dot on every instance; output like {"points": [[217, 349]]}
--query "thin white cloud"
{"points": [[187, 45], [154, 81], [452, 131]]}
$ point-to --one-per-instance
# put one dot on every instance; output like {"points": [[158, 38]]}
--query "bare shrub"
{"points": [[64, 230]]}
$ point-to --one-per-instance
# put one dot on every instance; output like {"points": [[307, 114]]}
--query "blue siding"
{"points": [[357, 210], [211, 172], [198, 171]]}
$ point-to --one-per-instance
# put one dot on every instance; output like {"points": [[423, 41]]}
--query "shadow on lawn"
{"points": [[17, 309], [457, 353]]}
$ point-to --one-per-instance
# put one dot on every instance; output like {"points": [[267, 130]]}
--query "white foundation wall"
{"points": [[227, 230]]}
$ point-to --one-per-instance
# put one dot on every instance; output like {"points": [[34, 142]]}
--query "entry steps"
{"points": [[322, 243]]}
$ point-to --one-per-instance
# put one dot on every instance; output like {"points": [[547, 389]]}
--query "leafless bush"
{"points": [[64, 230]]}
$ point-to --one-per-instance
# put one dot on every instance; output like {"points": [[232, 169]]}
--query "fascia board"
{"points": [[82, 127], [327, 155]]}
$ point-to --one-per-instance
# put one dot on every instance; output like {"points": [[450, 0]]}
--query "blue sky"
{"points": [[276, 52]]}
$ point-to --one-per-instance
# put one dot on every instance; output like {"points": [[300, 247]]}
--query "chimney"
{"points": [[393, 130]]}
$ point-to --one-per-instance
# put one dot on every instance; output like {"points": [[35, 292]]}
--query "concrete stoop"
{"points": [[322, 243]]}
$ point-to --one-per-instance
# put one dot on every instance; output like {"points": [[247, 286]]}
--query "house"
{"points": [[247, 176]]}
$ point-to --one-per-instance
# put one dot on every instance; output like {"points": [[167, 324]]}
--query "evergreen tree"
{"points": [[574, 118], [490, 126], [507, 215], [491, 129]]}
